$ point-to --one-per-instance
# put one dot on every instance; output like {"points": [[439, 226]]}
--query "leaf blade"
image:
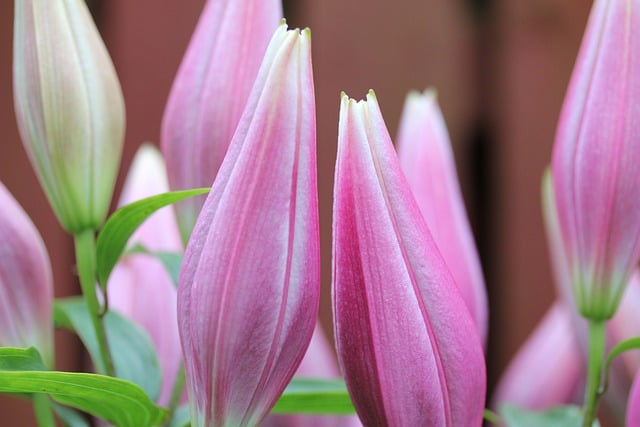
{"points": [[115, 233]]}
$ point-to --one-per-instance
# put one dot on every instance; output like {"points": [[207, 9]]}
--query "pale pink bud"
{"points": [[210, 92], [249, 284], [547, 371], [140, 286], [407, 345], [595, 159], [426, 157], [69, 108], [26, 284]]}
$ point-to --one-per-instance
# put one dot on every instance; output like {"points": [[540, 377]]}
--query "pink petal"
{"points": [[249, 284], [425, 154], [548, 369], [407, 345], [210, 92], [139, 286], [596, 156], [26, 284], [633, 407]]}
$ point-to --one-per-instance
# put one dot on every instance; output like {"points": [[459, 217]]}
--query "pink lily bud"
{"points": [[425, 154], [407, 345], [319, 362], [595, 159], [210, 92], [139, 286], [633, 406], [69, 108], [26, 284], [547, 371], [249, 284], [623, 325]]}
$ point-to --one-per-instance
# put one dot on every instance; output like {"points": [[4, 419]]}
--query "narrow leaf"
{"points": [[123, 223], [134, 355], [561, 416], [115, 400], [315, 396]]}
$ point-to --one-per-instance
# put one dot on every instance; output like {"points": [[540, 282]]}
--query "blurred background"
{"points": [[500, 68]]}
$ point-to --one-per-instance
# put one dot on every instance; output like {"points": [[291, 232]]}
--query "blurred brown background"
{"points": [[500, 68]]}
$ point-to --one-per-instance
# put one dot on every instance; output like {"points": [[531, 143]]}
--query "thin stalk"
{"points": [[86, 261], [42, 409], [594, 370]]}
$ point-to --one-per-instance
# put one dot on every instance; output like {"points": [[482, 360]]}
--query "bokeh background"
{"points": [[500, 68]]}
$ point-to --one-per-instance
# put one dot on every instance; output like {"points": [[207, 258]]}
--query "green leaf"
{"points": [[115, 400], [20, 359], [561, 416], [621, 347], [315, 396], [171, 261], [133, 353], [123, 223]]}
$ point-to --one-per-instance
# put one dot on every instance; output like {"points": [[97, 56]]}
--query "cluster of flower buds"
{"points": [[408, 294]]}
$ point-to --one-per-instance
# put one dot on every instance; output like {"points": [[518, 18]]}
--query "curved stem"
{"points": [[86, 261], [42, 409], [594, 370]]}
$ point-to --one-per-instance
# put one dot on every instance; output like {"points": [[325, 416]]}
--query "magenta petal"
{"points": [[407, 345], [139, 286], [249, 284], [425, 154], [26, 284], [547, 371], [633, 406], [210, 92], [596, 156]]}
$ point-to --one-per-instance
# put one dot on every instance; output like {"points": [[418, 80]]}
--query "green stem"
{"points": [[176, 393], [86, 261], [42, 409], [597, 334]]}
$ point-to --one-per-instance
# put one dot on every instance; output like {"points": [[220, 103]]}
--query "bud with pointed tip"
{"points": [[69, 108], [210, 92], [249, 285], [595, 159], [407, 345], [424, 151]]}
